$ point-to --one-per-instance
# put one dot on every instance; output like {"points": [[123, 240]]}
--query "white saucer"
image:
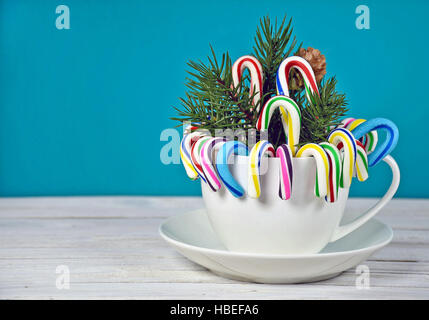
{"points": [[192, 235]]}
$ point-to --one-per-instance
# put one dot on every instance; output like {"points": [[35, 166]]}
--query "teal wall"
{"points": [[81, 110]]}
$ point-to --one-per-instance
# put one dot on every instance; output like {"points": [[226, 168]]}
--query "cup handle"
{"points": [[341, 231]]}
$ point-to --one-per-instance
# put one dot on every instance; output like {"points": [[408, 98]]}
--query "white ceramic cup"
{"points": [[304, 224]]}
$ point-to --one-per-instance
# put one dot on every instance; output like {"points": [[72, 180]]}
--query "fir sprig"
{"points": [[272, 46], [323, 113], [212, 101]]}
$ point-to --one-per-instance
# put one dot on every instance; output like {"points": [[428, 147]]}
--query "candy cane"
{"points": [[335, 166], [346, 122], [349, 155], [207, 154], [291, 126], [284, 153], [222, 159], [361, 165], [195, 156], [392, 136], [256, 154], [256, 76], [306, 71], [322, 166], [191, 127], [185, 153], [361, 162], [370, 139]]}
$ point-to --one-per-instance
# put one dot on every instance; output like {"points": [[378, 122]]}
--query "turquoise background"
{"points": [[81, 110]]}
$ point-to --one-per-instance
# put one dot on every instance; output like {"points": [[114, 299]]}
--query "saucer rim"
{"points": [[270, 256]]}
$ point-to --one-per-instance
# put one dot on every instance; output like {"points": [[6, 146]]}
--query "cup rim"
{"points": [[306, 158]]}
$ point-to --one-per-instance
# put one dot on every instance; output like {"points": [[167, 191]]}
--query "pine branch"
{"points": [[325, 113], [272, 46], [212, 101]]}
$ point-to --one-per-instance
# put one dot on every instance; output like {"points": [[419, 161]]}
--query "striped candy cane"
{"points": [[322, 166], [259, 150], [284, 153], [361, 167], [345, 137], [304, 69], [291, 121], [345, 122], [207, 154], [185, 153], [195, 156], [361, 164], [383, 149], [369, 140], [256, 76], [335, 166]]}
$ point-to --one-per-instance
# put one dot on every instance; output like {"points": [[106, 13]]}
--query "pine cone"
{"points": [[317, 62]]}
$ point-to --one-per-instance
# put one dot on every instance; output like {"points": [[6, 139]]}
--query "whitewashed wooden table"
{"points": [[112, 248]]}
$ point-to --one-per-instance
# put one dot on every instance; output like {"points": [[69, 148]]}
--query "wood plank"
{"points": [[134, 273], [211, 291], [113, 250]]}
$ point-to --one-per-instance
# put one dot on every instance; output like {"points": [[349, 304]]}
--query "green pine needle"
{"points": [[325, 112], [272, 46], [212, 101]]}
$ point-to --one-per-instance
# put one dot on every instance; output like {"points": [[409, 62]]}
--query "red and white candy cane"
{"points": [[192, 127], [304, 69], [256, 76]]}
